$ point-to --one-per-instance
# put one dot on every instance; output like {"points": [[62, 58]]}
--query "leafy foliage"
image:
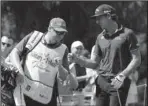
{"points": [[21, 17]]}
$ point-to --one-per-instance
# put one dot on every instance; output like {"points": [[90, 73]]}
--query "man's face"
{"points": [[54, 36], [6, 43], [103, 21], [77, 50]]}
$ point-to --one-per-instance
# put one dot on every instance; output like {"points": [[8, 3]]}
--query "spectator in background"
{"points": [[117, 55], [91, 87], [142, 69], [91, 73], [77, 48], [6, 45], [7, 73], [142, 40]]}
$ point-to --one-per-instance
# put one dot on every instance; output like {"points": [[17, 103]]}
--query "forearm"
{"points": [[132, 66], [62, 72], [82, 78], [15, 58], [73, 81], [88, 63]]}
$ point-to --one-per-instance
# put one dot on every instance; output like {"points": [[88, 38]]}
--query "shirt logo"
{"points": [[107, 11], [97, 10], [43, 60], [43, 96]]}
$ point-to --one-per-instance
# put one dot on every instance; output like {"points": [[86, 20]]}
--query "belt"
{"points": [[106, 74]]}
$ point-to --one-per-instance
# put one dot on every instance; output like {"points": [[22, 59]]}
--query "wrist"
{"points": [[121, 77], [124, 73], [80, 60], [59, 66], [62, 69], [20, 71]]}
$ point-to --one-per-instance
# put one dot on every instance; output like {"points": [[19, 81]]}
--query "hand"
{"points": [[58, 61], [76, 58], [118, 81], [73, 57], [70, 57], [20, 78]]}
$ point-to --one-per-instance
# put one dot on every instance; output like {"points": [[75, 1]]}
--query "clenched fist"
{"points": [[77, 59], [20, 78], [70, 57], [58, 61]]}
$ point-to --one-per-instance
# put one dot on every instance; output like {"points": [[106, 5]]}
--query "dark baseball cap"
{"points": [[104, 9]]}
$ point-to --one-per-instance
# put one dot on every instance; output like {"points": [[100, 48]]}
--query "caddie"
{"points": [[39, 68]]}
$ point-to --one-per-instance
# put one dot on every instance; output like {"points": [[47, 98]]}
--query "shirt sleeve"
{"points": [[96, 49], [21, 45], [132, 42], [65, 60]]}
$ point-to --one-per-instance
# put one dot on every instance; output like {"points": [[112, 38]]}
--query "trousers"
{"points": [[106, 95]]}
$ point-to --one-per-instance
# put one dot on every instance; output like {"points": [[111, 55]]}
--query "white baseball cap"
{"points": [[76, 44]]}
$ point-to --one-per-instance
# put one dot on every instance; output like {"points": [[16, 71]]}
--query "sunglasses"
{"points": [[59, 32], [7, 44]]}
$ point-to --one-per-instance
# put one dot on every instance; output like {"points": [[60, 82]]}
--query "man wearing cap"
{"points": [[36, 81], [117, 55]]}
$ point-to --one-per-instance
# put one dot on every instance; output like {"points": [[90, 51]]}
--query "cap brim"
{"points": [[96, 15], [61, 29]]}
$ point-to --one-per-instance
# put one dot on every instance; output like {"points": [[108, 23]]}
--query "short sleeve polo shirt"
{"points": [[115, 53]]}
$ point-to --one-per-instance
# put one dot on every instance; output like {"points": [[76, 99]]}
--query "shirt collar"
{"points": [[117, 32], [50, 45]]}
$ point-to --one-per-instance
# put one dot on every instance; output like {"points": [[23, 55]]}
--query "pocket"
{"points": [[37, 91], [126, 85]]}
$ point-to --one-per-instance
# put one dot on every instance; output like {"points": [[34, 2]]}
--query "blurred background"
{"points": [[19, 18]]}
